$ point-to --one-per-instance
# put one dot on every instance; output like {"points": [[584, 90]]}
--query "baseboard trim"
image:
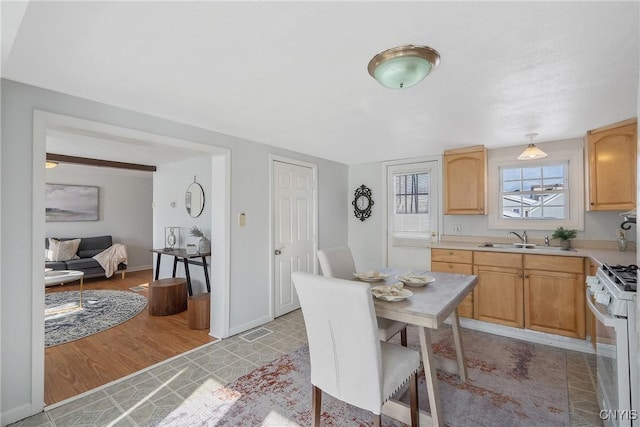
{"points": [[558, 341], [253, 324]]}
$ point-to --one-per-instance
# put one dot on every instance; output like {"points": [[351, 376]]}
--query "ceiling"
{"points": [[294, 74]]}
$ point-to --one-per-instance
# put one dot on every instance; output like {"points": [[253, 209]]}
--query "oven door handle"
{"points": [[608, 321]]}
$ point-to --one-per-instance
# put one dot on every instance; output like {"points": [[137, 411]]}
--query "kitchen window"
{"points": [[540, 191], [538, 194]]}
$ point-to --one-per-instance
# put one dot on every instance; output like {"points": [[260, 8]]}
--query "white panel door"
{"points": [[412, 215], [294, 230]]}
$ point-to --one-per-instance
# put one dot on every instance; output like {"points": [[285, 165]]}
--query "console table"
{"points": [[180, 254]]}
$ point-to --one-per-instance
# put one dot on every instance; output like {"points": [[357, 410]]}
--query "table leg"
{"points": [[186, 273], [158, 267], [457, 340], [429, 365], [206, 273], [175, 265], [81, 283]]}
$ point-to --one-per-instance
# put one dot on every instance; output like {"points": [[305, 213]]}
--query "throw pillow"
{"points": [[62, 250]]}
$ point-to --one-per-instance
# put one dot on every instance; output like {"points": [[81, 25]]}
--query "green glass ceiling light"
{"points": [[404, 66]]}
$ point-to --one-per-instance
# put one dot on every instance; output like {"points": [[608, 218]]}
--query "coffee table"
{"points": [[58, 277]]}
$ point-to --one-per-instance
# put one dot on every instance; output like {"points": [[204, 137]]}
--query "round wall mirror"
{"points": [[194, 200]]}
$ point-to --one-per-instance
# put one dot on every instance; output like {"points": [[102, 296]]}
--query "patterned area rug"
{"points": [[511, 383], [102, 309]]}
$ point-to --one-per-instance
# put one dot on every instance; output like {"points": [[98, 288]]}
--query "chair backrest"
{"points": [[343, 338], [337, 262]]}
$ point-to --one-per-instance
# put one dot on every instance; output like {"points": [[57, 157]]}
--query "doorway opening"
{"points": [[44, 124]]}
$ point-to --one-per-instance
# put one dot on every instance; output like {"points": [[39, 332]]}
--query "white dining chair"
{"points": [[338, 263], [351, 363]]}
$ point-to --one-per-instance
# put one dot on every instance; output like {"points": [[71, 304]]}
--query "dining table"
{"points": [[428, 308]]}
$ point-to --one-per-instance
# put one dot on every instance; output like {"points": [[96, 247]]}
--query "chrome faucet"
{"points": [[522, 238], [546, 240]]}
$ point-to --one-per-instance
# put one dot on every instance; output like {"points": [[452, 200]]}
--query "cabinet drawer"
{"points": [[562, 264], [451, 267], [452, 255], [498, 259]]}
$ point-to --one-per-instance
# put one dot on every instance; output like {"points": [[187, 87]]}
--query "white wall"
{"points": [[250, 250], [170, 185], [367, 238], [124, 208]]}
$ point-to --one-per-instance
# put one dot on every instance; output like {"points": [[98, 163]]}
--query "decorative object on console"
{"points": [[192, 249], [204, 245], [565, 236], [194, 199], [171, 237], [70, 203], [532, 152], [362, 203]]}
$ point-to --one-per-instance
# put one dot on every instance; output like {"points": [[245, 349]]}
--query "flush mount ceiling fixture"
{"points": [[531, 152], [404, 66]]}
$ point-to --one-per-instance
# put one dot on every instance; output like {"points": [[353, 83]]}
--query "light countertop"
{"points": [[598, 255]]}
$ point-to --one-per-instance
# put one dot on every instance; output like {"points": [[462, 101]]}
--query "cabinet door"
{"points": [[554, 302], [465, 309], [612, 167], [498, 296], [465, 181]]}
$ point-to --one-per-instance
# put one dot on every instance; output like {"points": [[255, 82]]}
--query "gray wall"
{"points": [[250, 251], [124, 204]]}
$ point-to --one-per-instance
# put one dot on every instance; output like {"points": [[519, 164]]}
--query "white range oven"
{"points": [[610, 297]]}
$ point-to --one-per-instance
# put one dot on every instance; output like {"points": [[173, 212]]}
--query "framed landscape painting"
{"points": [[71, 202]]}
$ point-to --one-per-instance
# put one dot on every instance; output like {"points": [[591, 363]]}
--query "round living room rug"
{"points": [[102, 309]]}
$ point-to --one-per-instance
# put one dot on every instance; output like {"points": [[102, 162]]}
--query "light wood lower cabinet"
{"points": [[455, 261], [498, 296], [554, 302]]}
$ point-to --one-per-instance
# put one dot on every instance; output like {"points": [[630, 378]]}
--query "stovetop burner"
{"points": [[624, 275]]}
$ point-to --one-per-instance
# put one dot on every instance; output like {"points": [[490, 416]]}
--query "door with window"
{"points": [[412, 218], [294, 230]]}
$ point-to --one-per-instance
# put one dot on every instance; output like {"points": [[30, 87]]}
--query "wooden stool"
{"points": [[167, 296], [198, 311]]}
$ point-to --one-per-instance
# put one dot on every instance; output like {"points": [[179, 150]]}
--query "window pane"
{"points": [[535, 192], [411, 218]]}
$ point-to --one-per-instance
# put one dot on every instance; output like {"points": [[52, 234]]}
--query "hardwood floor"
{"points": [[82, 365]]}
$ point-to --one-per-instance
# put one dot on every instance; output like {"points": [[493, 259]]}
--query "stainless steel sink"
{"points": [[528, 246]]}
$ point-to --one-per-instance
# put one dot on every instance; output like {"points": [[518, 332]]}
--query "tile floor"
{"points": [[146, 398]]}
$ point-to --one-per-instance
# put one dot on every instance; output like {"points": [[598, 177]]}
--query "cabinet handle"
{"points": [[519, 276], [450, 253], [526, 276]]}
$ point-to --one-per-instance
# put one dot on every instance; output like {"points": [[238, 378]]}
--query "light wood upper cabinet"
{"points": [[611, 153], [465, 181]]}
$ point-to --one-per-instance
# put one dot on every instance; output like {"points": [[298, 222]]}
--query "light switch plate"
{"points": [[242, 219]]}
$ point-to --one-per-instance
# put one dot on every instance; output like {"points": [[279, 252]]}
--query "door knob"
{"points": [[277, 252]]}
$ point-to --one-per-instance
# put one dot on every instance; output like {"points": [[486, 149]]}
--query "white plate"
{"points": [[370, 276], [390, 293], [416, 279]]}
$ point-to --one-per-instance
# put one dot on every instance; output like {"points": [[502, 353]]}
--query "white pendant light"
{"points": [[532, 152], [404, 66]]}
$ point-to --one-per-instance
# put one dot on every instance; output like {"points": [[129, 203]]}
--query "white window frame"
{"points": [[575, 180]]}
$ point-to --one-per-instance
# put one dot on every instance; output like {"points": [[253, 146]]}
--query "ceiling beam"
{"points": [[61, 158]]}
